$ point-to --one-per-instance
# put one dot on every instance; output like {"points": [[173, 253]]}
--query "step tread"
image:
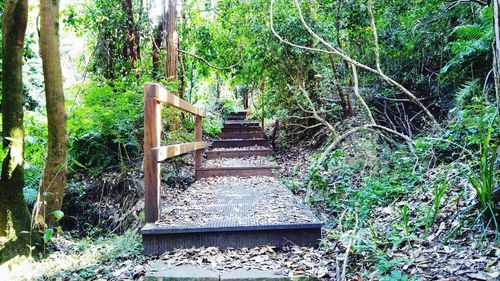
{"points": [[234, 204]]}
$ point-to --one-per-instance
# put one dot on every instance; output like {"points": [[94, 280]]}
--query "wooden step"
{"points": [[241, 126], [236, 117], [235, 125], [157, 241], [238, 153], [240, 112], [241, 130], [242, 122], [242, 135], [239, 143], [233, 213], [263, 171]]}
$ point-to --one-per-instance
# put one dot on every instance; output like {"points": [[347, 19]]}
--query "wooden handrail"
{"points": [[160, 94], [164, 152], [154, 96]]}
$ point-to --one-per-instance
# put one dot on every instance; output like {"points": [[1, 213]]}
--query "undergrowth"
{"points": [[368, 179], [81, 259]]}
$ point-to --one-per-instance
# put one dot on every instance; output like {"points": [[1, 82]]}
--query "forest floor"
{"points": [[376, 248]]}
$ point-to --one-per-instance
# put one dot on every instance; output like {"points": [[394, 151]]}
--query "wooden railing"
{"points": [[154, 96]]}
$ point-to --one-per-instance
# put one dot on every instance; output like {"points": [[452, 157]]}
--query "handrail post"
{"points": [[152, 134], [198, 137]]}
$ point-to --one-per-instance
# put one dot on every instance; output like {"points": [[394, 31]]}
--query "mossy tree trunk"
{"points": [[15, 219], [54, 178]]}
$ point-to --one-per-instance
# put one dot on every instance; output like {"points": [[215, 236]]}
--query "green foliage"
{"points": [[212, 125], [433, 211], [103, 22], [47, 235], [58, 214], [483, 173], [471, 47], [227, 106], [35, 146], [30, 194], [467, 93], [469, 122], [345, 183], [404, 216], [105, 129], [396, 275]]}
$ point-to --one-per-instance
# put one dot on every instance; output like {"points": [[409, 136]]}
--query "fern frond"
{"points": [[468, 90], [469, 32]]}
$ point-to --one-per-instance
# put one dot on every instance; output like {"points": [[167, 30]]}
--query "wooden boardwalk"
{"points": [[237, 201]]}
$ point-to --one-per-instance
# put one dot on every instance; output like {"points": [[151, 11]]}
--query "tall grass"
{"points": [[482, 175]]}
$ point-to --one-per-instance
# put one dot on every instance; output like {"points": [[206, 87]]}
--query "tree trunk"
{"points": [[262, 89], [182, 82], [15, 219], [275, 135], [132, 52], [217, 88], [138, 29], [245, 100], [345, 101], [182, 86], [54, 178], [155, 55], [496, 50], [171, 63]]}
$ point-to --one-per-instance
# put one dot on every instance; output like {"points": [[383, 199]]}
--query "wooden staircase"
{"points": [[237, 201], [231, 145]]}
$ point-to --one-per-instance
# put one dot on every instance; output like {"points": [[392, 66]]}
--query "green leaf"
{"points": [[58, 214], [59, 230], [47, 235], [78, 163]]}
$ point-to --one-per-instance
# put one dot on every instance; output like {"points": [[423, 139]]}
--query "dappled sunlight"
{"points": [[72, 256], [15, 149]]}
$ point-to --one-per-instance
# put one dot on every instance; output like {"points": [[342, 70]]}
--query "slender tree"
{"points": [[54, 178], [15, 219], [138, 28], [132, 53], [496, 49], [171, 62], [158, 40]]}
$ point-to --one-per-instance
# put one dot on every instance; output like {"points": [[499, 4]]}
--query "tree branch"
{"points": [[334, 50], [208, 63], [375, 36], [360, 98]]}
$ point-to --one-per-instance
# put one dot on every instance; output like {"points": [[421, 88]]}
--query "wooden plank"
{"points": [[198, 135], [164, 152], [301, 235], [238, 153], [242, 135], [264, 171], [161, 95], [240, 143], [152, 134]]}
